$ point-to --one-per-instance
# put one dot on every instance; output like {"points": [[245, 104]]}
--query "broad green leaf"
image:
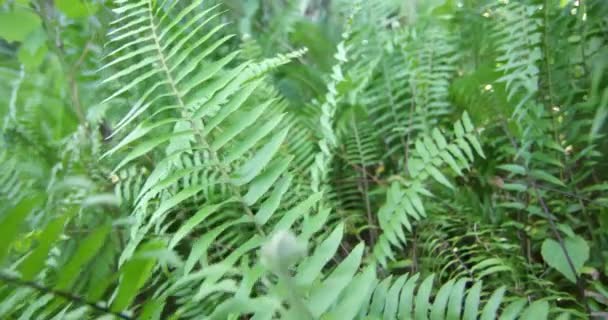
{"points": [[33, 49], [554, 256], [102, 280], [485, 263], [17, 24], [76, 8], [86, 251], [34, 262], [31, 61], [548, 159], [10, 222], [494, 270], [403, 217]]}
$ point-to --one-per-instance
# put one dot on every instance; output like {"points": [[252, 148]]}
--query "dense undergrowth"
{"points": [[303, 159]]}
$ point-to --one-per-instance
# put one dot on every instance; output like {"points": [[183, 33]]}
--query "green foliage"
{"points": [[577, 250], [303, 159]]}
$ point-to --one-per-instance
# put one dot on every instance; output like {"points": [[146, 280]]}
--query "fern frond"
{"points": [[404, 198], [518, 44]]}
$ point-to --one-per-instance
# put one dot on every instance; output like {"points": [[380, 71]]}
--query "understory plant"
{"points": [[303, 159]]}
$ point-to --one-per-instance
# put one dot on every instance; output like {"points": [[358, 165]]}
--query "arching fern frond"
{"points": [[434, 60], [205, 115], [518, 44], [405, 297], [404, 197]]}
